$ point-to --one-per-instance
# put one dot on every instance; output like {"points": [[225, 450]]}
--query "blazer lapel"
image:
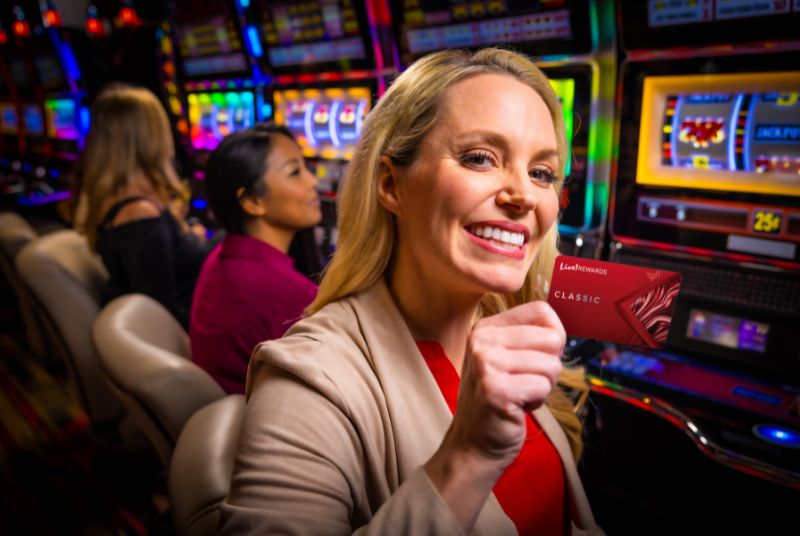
{"points": [[419, 415]]}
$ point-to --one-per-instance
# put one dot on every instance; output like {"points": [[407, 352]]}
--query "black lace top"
{"points": [[151, 256]]}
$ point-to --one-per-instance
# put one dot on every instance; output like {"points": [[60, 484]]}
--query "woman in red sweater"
{"points": [[254, 285]]}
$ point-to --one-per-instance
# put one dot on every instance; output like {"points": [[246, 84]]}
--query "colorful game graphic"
{"points": [[540, 28], [737, 132], [9, 120], [212, 46], [318, 31], [62, 119], [326, 122], [549, 25], [33, 119], [212, 116], [728, 331], [699, 125]]}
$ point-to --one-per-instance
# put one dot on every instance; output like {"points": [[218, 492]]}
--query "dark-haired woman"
{"points": [[250, 288]]}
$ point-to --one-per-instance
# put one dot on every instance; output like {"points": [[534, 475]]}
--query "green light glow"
{"points": [[565, 89]]}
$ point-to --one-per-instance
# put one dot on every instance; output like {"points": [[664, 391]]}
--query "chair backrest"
{"points": [[66, 280], [145, 355], [16, 233], [202, 466]]}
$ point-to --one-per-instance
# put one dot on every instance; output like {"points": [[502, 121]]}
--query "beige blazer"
{"points": [[342, 413]]}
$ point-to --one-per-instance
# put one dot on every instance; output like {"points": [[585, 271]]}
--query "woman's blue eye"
{"points": [[543, 175], [480, 159]]}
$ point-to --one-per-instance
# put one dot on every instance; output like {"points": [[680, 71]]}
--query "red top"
{"points": [[531, 491], [247, 292]]}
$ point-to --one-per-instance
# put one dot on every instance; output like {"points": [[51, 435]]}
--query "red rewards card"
{"points": [[614, 302]]}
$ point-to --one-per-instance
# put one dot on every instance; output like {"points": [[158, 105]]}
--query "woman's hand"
{"points": [[199, 230], [512, 362]]}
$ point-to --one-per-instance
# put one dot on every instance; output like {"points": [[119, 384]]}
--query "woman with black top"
{"points": [[128, 199]]}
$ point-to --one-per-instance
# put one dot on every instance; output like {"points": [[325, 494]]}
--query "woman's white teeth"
{"points": [[500, 235]]}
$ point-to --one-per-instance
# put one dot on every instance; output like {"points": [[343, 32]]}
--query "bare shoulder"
{"points": [[137, 210]]}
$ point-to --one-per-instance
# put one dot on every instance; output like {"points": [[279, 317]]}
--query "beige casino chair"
{"points": [[65, 279], [144, 353], [16, 233], [202, 466]]}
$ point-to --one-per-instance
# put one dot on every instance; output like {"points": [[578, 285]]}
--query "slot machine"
{"points": [[53, 116], [215, 90], [572, 41], [10, 134], [707, 184], [67, 63], [26, 161], [327, 62], [65, 120]]}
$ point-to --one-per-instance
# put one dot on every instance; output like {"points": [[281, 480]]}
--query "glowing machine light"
{"points": [[20, 26], [777, 435], [94, 26], [50, 15], [127, 17]]}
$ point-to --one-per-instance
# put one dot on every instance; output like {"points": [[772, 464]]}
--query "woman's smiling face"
{"points": [[291, 197], [476, 202]]}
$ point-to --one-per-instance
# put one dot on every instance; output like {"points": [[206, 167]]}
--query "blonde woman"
{"points": [[128, 197], [420, 396]]}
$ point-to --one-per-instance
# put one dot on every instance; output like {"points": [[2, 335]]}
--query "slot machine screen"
{"points": [[33, 119], [535, 28], [46, 63], [690, 22], [728, 331], [214, 115], [209, 42], [314, 36], [736, 132], [326, 122], [9, 120], [19, 74], [711, 162], [49, 70], [62, 119]]}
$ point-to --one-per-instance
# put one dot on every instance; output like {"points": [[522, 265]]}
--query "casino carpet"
{"points": [[54, 479]]}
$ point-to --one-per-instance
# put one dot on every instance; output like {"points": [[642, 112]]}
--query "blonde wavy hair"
{"points": [[396, 127], [130, 134]]}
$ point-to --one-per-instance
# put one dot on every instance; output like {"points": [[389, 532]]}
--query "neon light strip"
{"points": [[702, 252], [592, 150], [68, 60], [307, 123], [253, 41], [748, 164], [29, 201], [737, 105], [360, 114], [333, 121], [675, 130], [721, 455], [376, 47]]}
